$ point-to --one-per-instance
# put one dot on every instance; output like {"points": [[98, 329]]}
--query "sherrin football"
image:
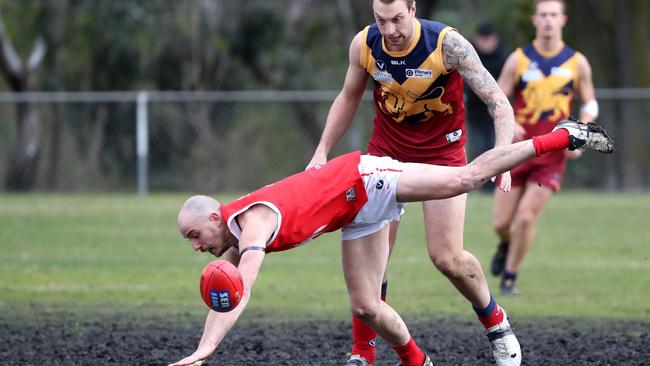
{"points": [[221, 286]]}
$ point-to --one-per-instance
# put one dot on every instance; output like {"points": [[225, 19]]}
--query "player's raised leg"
{"points": [[586, 135], [422, 182]]}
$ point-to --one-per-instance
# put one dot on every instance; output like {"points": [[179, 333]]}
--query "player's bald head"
{"points": [[197, 207]]}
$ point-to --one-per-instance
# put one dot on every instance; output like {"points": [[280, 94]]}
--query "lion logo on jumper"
{"points": [[413, 108]]}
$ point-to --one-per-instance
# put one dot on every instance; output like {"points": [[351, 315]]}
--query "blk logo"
{"points": [[381, 64], [380, 184]]}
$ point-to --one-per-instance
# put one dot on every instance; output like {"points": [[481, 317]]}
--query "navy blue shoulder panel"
{"points": [[373, 39], [546, 64], [429, 34], [433, 29]]}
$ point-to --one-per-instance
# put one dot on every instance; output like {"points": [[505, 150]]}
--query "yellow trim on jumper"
{"points": [[410, 48]]}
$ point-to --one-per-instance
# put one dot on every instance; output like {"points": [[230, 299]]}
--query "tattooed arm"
{"points": [[459, 54]]}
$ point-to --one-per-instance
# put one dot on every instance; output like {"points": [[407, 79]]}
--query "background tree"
{"points": [[19, 74], [207, 45]]}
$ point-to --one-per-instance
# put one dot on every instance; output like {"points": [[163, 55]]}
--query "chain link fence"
{"points": [[211, 141], [231, 141]]}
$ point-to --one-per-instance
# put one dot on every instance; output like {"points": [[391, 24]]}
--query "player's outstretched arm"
{"points": [[257, 224], [507, 82], [217, 325], [508, 76], [589, 106], [344, 106]]}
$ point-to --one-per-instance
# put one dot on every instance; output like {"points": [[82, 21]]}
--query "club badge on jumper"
{"points": [[532, 73], [382, 76], [454, 136], [419, 74], [562, 72], [350, 195]]}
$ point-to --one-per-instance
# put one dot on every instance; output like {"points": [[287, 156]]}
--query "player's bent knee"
{"points": [[447, 265], [501, 226], [365, 312], [525, 221]]}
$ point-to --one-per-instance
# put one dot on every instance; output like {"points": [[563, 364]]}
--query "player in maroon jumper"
{"points": [[544, 76], [418, 68], [360, 195]]}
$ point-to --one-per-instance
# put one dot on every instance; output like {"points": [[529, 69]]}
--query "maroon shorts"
{"points": [[449, 157], [540, 171]]}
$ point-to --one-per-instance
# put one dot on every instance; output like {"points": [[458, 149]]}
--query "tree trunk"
{"points": [[53, 18], [23, 159], [625, 77]]}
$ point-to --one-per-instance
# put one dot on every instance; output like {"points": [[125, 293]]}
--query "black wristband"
{"points": [[254, 247]]}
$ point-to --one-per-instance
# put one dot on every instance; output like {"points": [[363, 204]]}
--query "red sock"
{"points": [[495, 317], [410, 354], [553, 141], [364, 337]]}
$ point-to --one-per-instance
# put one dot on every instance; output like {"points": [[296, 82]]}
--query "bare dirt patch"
{"points": [[448, 342]]}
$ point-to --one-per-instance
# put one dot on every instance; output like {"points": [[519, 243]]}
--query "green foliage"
{"points": [[95, 255], [253, 45], [21, 22], [511, 18], [125, 45]]}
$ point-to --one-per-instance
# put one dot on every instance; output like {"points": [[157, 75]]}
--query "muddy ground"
{"points": [[448, 342]]}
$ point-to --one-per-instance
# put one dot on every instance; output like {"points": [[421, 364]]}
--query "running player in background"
{"points": [[544, 77], [418, 68]]}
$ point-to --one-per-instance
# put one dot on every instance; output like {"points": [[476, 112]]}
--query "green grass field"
{"points": [[96, 255]]}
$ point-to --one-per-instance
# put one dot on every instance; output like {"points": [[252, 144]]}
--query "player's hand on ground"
{"points": [[188, 362], [197, 358], [504, 182], [573, 154]]}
